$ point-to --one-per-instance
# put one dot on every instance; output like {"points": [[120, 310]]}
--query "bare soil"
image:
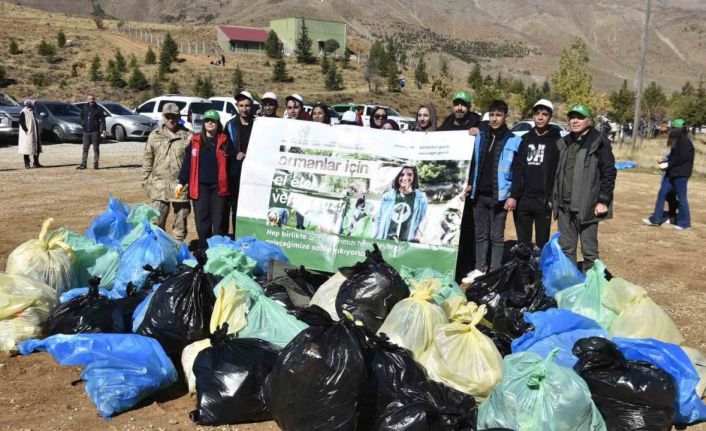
{"points": [[39, 394]]}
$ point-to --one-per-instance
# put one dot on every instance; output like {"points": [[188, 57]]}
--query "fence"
{"points": [[156, 38]]}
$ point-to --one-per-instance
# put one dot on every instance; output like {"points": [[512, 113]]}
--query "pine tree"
{"points": [[171, 48], [133, 61], [347, 58], [95, 72], [238, 80], [303, 46], [393, 82], [173, 87], [165, 62], [420, 72], [61, 39], [46, 49], [137, 79], [444, 66], [279, 72], [114, 76], [622, 103], [156, 85], [120, 61], [14, 49], [334, 79], [325, 64], [150, 57], [475, 78], [203, 87], [272, 46]]}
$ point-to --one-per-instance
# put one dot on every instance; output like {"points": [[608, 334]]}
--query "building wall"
{"points": [[235, 46], [223, 40], [319, 31]]}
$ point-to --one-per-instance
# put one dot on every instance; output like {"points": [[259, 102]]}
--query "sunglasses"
{"points": [[380, 116]]}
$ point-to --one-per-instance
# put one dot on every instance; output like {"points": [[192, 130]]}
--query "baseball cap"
{"points": [[463, 96], [678, 123], [269, 95], [170, 108], [244, 95], [544, 103], [581, 109], [211, 115], [296, 97]]}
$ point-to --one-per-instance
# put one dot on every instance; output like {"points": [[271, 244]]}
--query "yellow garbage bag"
{"points": [[49, 261], [462, 357], [638, 315], [188, 357], [25, 304], [325, 295], [411, 321], [697, 358]]}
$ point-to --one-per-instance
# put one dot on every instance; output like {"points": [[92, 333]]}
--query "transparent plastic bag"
{"points": [[558, 271], [90, 259], [586, 298], [111, 226], [268, 320], [699, 361], [141, 212], [25, 304], [448, 286]]}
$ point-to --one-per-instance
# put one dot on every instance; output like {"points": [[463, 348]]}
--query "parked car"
{"points": [[58, 121], [523, 127], [191, 108], [9, 116], [335, 116], [405, 123], [121, 123]]}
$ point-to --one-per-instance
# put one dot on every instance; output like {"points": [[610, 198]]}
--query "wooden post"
{"points": [[640, 76]]}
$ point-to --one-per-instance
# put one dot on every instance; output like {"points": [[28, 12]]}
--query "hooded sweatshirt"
{"points": [[534, 167]]}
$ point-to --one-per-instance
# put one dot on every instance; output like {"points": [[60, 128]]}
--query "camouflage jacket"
{"points": [[162, 162]]}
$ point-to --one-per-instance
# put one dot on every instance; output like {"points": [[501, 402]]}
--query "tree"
{"points": [[273, 47], [171, 48], [137, 80], [486, 94], [475, 78], [120, 61], [403, 59], [279, 72], [156, 85], [150, 57], [444, 66], [347, 58], [420, 72], [303, 46], [14, 49], [3, 74], [60, 39], [623, 103], [114, 76], [531, 94], [572, 83], [330, 46], [203, 87], [334, 79], [133, 61], [94, 72], [393, 81], [372, 76], [46, 49], [324, 64], [546, 89], [238, 80], [173, 87], [165, 62]]}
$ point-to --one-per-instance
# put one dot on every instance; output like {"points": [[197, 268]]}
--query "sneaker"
{"points": [[676, 226], [96, 167], [80, 167], [471, 276], [649, 222]]}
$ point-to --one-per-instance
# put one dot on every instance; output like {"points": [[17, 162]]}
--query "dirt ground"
{"points": [[38, 394]]}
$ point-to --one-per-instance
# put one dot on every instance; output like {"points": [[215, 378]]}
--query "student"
{"points": [[239, 129], [426, 119], [295, 108], [319, 113], [378, 118]]}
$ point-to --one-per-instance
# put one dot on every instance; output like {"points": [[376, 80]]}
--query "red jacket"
{"points": [[221, 160]]}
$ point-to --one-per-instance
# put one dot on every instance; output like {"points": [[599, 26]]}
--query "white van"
{"points": [[227, 107], [191, 109]]}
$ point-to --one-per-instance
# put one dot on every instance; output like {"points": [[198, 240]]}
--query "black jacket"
{"points": [[448, 124], [92, 118], [681, 159], [534, 169]]}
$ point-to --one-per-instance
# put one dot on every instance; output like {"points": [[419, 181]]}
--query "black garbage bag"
{"points": [[502, 340], [276, 292], [230, 377], [372, 288], [319, 376], [299, 283], [631, 395], [156, 276], [94, 313], [180, 310]]}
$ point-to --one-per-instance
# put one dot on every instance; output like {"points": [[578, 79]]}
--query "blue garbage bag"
{"points": [[183, 253], [73, 293], [139, 314], [110, 226], [121, 369], [154, 248], [260, 251], [220, 241], [558, 272], [620, 165], [673, 360], [556, 329]]}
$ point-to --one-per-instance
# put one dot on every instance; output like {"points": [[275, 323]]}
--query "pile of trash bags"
{"points": [[533, 345]]}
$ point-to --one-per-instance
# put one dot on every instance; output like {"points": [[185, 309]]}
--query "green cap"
{"points": [[581, 109], [462, 95], [211, 115], [678, 123]]}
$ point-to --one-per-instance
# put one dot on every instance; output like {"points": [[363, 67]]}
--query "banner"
{"points": [[325, 194]]}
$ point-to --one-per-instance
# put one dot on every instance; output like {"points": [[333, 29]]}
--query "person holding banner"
{"points": [[378, 118], [239, 129], [319, 113], [402, 210], [295, 108], [426, 119], [209, 161]]}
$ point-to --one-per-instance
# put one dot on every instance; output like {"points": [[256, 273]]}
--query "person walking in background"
{"points": [[161, 164], [239, 129], [93, 123], [28, 142], [378, 118], [209, 161], [533, 172], [426, 119], [583, 187], [678, 166]]}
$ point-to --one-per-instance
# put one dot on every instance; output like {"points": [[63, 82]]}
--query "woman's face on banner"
{"points": [[405, 179], [424, 117]]}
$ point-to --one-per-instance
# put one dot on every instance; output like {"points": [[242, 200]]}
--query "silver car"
{"points": [[9, 116], [58, 121], [121, 123]]}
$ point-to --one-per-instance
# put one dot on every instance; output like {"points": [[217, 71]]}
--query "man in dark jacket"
{"points": [[462, 118], [533, 172], [238, 130], [583, 187], [93, 123]]}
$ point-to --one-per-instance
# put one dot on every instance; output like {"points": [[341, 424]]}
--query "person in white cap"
{"points": [[269, 105], [348, 118], [238, 130], [533, 174], [295, 108]]}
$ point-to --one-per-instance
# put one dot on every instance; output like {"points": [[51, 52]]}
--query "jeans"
{"points": [[489, 217], [677, 184], [91, 138], [571, 230], [211, 213], [533, 210]]}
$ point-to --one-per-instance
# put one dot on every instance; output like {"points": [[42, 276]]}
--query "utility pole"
{"points": [[640, 75]]}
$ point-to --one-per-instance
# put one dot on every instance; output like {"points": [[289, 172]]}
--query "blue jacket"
{"points": [[384, 213], [510, 144]]}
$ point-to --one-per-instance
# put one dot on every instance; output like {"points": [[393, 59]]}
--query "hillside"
{"points": [[610, 28]]}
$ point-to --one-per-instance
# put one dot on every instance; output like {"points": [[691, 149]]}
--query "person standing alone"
{"points": [[28, 142], [93, 124]]}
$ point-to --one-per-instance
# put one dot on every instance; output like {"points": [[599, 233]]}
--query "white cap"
{"points": [[545, 103], [244, 95], [350, 117], [296, 97], [269, 95]]}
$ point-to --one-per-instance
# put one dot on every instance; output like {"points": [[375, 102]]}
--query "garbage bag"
{"points": [[299, 282], [80, 291], [326, 294], [230, 376], [631, 395], [25, 304], [121, 369], [261, 252], [154, 248], [319, 376], [638, 316], [372, 288], [183, 253], [558, 271], [180, 310], [142, 212], [462, 357], [90, 259], [111, 226], [672, 359], [276, 292], [412, 321], [188, 356], [586, 298], [241, 281], [699, 361], [49, 261], [536, 394], [448, 286], [268, 320], [556, 329], [222, 260]]}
